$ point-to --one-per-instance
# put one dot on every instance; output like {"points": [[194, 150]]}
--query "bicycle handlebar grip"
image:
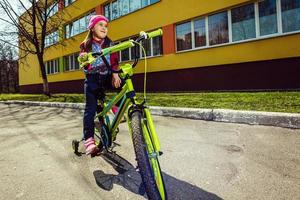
{"points": [[155, 33], [118, 47]]}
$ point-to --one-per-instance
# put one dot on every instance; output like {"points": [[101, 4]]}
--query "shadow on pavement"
{"points": [[130, 179]]}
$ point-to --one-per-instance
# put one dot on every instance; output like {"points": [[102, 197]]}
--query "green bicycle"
{"points": [[140, 123]]}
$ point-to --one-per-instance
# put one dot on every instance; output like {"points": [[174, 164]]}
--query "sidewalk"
{"points": [[285, 120], [202, 159]]}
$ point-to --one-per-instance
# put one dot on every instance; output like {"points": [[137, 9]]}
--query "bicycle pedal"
{"points": [[96, 153], [111, 151], [160, 153]]}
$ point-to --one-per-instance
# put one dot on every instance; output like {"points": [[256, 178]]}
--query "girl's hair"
{"points": [[86, 45]]}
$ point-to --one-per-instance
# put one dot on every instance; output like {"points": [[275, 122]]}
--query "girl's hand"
{"points": [[116, 81], [83, 56]]}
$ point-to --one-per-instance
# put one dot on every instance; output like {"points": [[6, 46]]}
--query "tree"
{"points": [[32, 27], [8, 69]]}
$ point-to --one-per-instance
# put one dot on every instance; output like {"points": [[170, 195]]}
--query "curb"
{"points": [[285, 120]]}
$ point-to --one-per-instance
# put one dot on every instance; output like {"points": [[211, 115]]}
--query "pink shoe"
{"points": [[90, 146], [115, 109]]}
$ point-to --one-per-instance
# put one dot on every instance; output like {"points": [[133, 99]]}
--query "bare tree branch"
{"points": [[15, 23], [24, 49], [7, 21]]}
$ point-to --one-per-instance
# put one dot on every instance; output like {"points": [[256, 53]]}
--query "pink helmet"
{"points": [[95, 19]]}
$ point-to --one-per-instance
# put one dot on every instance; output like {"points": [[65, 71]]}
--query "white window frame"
{"points": [[72, 62], [229, 21], [193, 33], [257, 26], [279, 17], [52, 66]]}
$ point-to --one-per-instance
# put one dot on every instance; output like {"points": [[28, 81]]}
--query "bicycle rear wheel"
{"points": [[147, 160]]}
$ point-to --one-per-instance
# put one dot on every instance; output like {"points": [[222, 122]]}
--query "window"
{"points": [[157, 46], [107, 11], [124, 7], [52, 9], [147, 46], [134, 5], [153, 47], [119, 8], [243, 23], [125, 54], [184, 36], [218, 28], [68, 2], [267, 17], [246, 22], [77, 26], [71, 62], [290, 15], [48, 67], [52, 66], [133, 50], [115, 10], [200, 32], [145, 3], [82, 24], [51, 39]]}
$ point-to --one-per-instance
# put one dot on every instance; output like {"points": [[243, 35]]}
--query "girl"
{"points": [[97, 75]]}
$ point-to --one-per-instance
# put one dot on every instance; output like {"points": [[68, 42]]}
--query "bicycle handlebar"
{"points": [[118, 47], [126, 45], [153, 34]]}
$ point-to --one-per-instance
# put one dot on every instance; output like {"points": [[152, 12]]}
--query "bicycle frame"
{"points": [[128, 99], [139, 119]]}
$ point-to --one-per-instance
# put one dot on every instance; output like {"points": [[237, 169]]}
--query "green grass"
{"points": [[259, 101]]}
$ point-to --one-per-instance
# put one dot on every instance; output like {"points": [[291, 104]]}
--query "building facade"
{"points": [[206, 46]]}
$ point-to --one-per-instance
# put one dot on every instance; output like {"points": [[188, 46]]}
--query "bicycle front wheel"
{"points": [[147, 161]]}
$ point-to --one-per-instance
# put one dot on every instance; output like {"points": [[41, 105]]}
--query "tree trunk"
{"points": [[46, 90], [46, 87]]}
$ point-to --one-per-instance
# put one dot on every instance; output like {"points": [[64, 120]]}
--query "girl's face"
{"points": [[100, 30]]}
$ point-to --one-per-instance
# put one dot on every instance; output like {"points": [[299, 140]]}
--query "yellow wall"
{"points": [[166, 12]]}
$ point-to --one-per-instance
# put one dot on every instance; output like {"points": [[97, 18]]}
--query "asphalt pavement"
{"points": [[201, 160]]}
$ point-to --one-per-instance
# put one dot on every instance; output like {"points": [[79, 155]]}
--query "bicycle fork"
{"points": [[149, 132]]}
